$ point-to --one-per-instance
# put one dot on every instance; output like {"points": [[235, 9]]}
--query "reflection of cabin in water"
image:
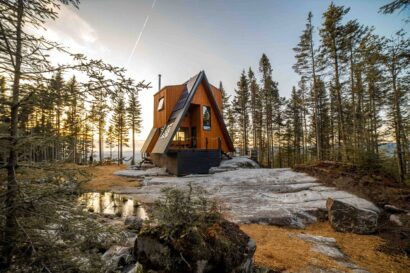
{"points": [[189, 134]]}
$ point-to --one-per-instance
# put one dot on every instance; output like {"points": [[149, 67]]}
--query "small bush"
{"points": [[190, 226]]}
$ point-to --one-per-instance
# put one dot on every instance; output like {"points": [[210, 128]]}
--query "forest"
{"points": [[351, 103], [48, 115]]}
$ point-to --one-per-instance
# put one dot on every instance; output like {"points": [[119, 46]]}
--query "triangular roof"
{"points": [[168, 132], [148, 140]]}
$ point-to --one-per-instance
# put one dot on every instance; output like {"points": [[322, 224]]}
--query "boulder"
{"points": [[345, 217], [118, 257], [239, 162], [223, 247], [133, 223], [394, 218], [328, 247]]}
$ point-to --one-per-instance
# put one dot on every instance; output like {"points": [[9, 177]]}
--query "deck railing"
{"points": [[192, 143]]}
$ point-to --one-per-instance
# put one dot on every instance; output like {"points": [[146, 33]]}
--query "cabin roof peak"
{"points": [[173, 124]]}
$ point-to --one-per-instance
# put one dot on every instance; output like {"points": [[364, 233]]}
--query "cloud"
{"points": [[73, 32]]}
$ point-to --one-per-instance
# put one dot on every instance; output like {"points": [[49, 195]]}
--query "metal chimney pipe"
{"points": [[159, 81]]}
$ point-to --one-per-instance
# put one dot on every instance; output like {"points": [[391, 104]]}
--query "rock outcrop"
{"points": [[133, 223], [328, 247], [347, 217], [118, 257], [272, 196], [223, 248], [240, 162]]}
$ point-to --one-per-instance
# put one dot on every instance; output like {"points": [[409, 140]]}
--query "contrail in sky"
{"points": [[140, 35]]}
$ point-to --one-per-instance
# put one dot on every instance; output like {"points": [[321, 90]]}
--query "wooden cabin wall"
{"points": [[201, 98], [218, 96], [171, 95]]}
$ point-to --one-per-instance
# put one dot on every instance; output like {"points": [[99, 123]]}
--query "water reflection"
{"points": [[112, 204]]}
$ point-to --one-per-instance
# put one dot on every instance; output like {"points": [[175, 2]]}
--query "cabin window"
{"points": [[206, 117], [161, 104], [181, 135]]}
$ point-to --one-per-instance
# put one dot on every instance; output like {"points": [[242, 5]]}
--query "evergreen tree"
{"points": [[58, 96], [270, 98], [241, 108], [21, 55], [119, 120], [256, 111], [134, 119], [73, 121], [295, 124], [306, 66], [231, 124], [398, 67], [111, 139], [394, 6], [334, 51], [225, 100]]}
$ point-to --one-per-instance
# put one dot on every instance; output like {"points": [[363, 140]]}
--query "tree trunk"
{"points": [[340, 127], [100, 141], [10, 227], [398, 126], [133, 144], [316, 110]]}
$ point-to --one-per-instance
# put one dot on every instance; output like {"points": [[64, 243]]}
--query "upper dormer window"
{"points": [[161, 104]]}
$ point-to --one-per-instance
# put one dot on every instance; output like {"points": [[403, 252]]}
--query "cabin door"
{"points": [[193, 137]]}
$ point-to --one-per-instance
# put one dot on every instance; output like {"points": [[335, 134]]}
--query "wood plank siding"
{"points": [[188, 133]]}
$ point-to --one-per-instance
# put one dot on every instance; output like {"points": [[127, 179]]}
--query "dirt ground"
{"points": [[103, 178], [277, 250], [375, 186]]}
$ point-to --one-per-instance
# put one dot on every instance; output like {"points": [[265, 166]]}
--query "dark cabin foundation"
{"points": [[184, 162]]}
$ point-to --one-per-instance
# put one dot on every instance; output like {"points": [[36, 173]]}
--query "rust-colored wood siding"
{"points": [[153, 141], [218, 96], [171, 95], [201, 98]]}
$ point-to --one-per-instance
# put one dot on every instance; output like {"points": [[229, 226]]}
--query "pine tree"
{"points": [[295, 114], [334, 51], [21, 54], [3, 99], [73, 121], [306, 66], [394, 6], [225, 100], [134, 119], [111, 139], [58, 97], [270, 99], [241, 108], [119, 120], [398, 67], [231, 124], [256, 111], [323, 119]]}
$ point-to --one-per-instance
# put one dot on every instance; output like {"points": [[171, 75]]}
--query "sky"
{"points": [[178, 38]]}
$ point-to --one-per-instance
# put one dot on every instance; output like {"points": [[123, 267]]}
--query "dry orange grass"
{"points": [[103, 178], [276, 249]]}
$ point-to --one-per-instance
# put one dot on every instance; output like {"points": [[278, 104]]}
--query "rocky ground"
{"points": [[279, 197]]}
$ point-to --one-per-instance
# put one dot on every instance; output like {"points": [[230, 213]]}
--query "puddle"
{"points": [[112, 204]]}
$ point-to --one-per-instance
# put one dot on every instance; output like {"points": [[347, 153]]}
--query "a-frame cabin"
{"points": [[189, 135]]}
